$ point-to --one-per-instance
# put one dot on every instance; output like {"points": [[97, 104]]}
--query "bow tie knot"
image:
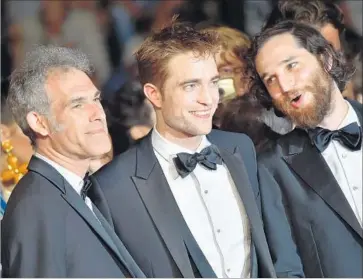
{"points": [[350, 136], [209, 157]]}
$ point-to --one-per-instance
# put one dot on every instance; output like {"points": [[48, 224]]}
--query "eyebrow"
{"points": [[288, 59], [197, 80], [78, 100]]}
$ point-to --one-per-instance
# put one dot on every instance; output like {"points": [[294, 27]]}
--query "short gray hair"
{"points": [[27, 83]]}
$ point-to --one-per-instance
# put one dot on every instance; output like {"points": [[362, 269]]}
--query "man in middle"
{"points": [[186, 199]]}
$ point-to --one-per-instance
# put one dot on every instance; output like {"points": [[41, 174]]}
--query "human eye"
{"points": [[190, 87], [215, 82], [291, 65], [98, 99], [269, 80], [76, 106]]}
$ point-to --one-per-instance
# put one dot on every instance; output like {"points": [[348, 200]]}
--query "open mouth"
{"points": [[296, 101]]}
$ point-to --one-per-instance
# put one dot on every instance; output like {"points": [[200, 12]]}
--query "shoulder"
{"points": [[32, 205], [120, 164], [227, 139], [292, 142]]}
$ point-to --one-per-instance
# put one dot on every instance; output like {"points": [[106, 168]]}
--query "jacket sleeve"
{"points": [[282, 247], [32, 240]]}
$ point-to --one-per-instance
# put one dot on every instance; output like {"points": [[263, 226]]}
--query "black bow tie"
{"points": [[350, 136], [86, 186], [209, 157]]}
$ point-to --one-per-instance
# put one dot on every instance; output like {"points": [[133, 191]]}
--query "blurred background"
{"points": [[109, 31]]}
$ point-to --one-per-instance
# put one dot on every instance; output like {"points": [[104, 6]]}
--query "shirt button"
{"points": [[355, 188], [344, 155], [218, 230], [228, 270], [205, 191]]}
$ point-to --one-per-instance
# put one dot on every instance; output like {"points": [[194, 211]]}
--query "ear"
{"points": [[327, 61], [153, 94], [38, 123], [5, 132]]}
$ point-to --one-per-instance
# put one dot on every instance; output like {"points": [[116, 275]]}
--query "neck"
{"points": [[78, 167], [338, 111], [186, 141]]}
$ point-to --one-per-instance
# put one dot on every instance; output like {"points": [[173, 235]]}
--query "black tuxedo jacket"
{"points": [[326, 231], [147, 219], [49, 231]]}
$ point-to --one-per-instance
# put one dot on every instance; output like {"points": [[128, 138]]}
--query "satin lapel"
{"points": [[311, 167], [72, 198], [239, 175], [96, 195], [75, 201], [161, 206], [127, 260]]}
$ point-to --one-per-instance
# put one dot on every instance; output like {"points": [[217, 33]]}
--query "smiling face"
{"points": [[78, 127], [189, 97], [295, 80]]}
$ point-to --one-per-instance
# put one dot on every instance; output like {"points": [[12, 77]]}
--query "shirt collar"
{"points": [[350, 117], [168, 150], [74, 180]]}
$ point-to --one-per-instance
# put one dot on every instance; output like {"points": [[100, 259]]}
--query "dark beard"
{"points": [[315, 112]]}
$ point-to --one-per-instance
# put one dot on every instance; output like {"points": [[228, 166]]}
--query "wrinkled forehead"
{"points": [[65, 83]]}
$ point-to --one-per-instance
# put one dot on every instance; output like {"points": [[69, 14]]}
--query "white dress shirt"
{"points": [[74, 180], [212, 209], [346, 166]]}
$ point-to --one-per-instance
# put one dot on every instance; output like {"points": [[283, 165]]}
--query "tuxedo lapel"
{"points": [[73, 199], [310, 166], [239, 175], [162, 207], [96, 195], [127, 260]]}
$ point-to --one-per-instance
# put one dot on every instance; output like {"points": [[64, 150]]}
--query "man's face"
{"points": [[230, 66], [295, 80], [190, 96], [78, 127]]}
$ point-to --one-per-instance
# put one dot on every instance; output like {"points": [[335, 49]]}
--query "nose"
{"points": [[205, 96], [95, 111], [286, 82]]}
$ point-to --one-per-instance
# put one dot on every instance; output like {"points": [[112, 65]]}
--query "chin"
{"points": [[100, 150], [204, 130]]}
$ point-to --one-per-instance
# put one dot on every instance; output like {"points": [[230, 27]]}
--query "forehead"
{"points": [[277, 49], [65, 84], [191, 66]]}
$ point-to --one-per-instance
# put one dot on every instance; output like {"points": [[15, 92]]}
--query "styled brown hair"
{"points": [[157, 50]]}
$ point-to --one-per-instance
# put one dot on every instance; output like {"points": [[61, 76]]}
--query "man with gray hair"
{"points": [[50, 227]]}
